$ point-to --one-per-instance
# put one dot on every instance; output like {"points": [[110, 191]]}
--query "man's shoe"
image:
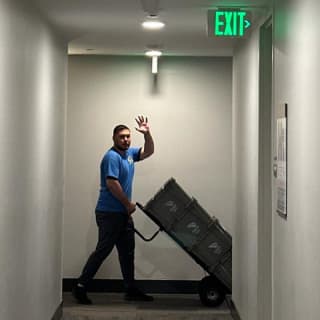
{"points": [[80, 294], [135, 294]]}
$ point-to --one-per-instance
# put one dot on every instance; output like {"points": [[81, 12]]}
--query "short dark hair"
{"points": [[118, 128]]}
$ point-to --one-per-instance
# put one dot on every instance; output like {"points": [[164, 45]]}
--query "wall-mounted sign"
{"points": [[280, 165], [228, 23]]}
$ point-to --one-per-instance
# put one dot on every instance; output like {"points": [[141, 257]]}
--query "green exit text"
{"points": [[231, 23]]}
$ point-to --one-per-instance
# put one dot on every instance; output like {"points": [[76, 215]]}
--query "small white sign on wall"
{"points": [[281, 161]]}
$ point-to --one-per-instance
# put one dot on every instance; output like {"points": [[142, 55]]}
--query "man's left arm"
{"points": [[148, 148]]}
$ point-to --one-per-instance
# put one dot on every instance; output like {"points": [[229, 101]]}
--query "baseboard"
{"points": [[151, 286], [58, 314], [234, 312]]}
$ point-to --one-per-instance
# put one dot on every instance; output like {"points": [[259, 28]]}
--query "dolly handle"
{"points": [[141, 207], [147, 239]]}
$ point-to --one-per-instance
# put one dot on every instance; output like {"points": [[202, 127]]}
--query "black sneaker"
{"points": [[135, 294], [80, 294]]}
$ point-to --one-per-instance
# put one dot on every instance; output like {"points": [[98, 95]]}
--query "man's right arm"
{"points": [[116, 190]]}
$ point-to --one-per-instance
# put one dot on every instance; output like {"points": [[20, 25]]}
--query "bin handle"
{"points": [[147, 239]]}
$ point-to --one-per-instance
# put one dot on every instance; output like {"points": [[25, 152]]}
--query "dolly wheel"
{"points": [[211, 292]]}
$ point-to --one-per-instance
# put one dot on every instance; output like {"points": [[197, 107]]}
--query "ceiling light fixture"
{"points": [[152, 25], [154, 54]]}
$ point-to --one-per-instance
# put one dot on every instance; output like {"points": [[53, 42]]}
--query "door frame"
{"points": [[264, 289]]}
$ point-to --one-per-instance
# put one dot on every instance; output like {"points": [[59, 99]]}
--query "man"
{"points": [[114, 209]]}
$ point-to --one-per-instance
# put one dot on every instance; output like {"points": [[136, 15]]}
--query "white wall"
{"points": [[32, 107], [296, 263], [189, 108], [296, 241], [245, 176]]}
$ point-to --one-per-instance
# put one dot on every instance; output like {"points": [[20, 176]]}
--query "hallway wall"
{"points": [[296, 240], [189, 108], [245, 130], [296, 262], [32, 108]]}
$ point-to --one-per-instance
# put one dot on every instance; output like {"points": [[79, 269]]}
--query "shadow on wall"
{"points": [[155, 84], [155, 259]]}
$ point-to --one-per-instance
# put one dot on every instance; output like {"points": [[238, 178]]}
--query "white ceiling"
{"points": [[114, 26]]}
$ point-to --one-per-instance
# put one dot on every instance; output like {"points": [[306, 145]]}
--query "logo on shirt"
{"points": [[130, 159]]}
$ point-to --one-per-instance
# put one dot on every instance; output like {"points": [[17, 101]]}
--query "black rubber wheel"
{"points": [[211, 292]]}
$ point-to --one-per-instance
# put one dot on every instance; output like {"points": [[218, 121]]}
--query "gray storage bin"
{"points": [[223, 270], [168, 204], [192, 226], [213, 246]]}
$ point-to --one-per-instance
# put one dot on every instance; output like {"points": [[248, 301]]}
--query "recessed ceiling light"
{"points": [[153, 53], [152, 25]]}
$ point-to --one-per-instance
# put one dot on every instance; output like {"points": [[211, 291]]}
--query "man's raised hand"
{"points": [[143, 125]]}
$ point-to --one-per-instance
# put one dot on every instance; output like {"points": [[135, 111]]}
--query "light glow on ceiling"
{"points": [[153, 25], [153, 53]]}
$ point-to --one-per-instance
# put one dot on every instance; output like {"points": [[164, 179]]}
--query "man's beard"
{"points": [[121, 147]]}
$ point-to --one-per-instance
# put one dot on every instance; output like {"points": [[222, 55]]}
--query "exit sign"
{"points": [[227, 23]]}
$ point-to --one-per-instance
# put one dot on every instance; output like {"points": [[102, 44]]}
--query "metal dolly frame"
{"points": [[198, 234]]}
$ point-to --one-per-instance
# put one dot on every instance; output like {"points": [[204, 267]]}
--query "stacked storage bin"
{"points": [[199, 234]]}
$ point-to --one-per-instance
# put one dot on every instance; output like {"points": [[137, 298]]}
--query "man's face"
{"points": [[122, 139]]}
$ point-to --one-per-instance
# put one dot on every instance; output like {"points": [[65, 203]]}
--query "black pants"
{"points": [[115, 229]]}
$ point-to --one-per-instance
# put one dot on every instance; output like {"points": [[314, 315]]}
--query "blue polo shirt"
{"points": [[120, 167]]}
